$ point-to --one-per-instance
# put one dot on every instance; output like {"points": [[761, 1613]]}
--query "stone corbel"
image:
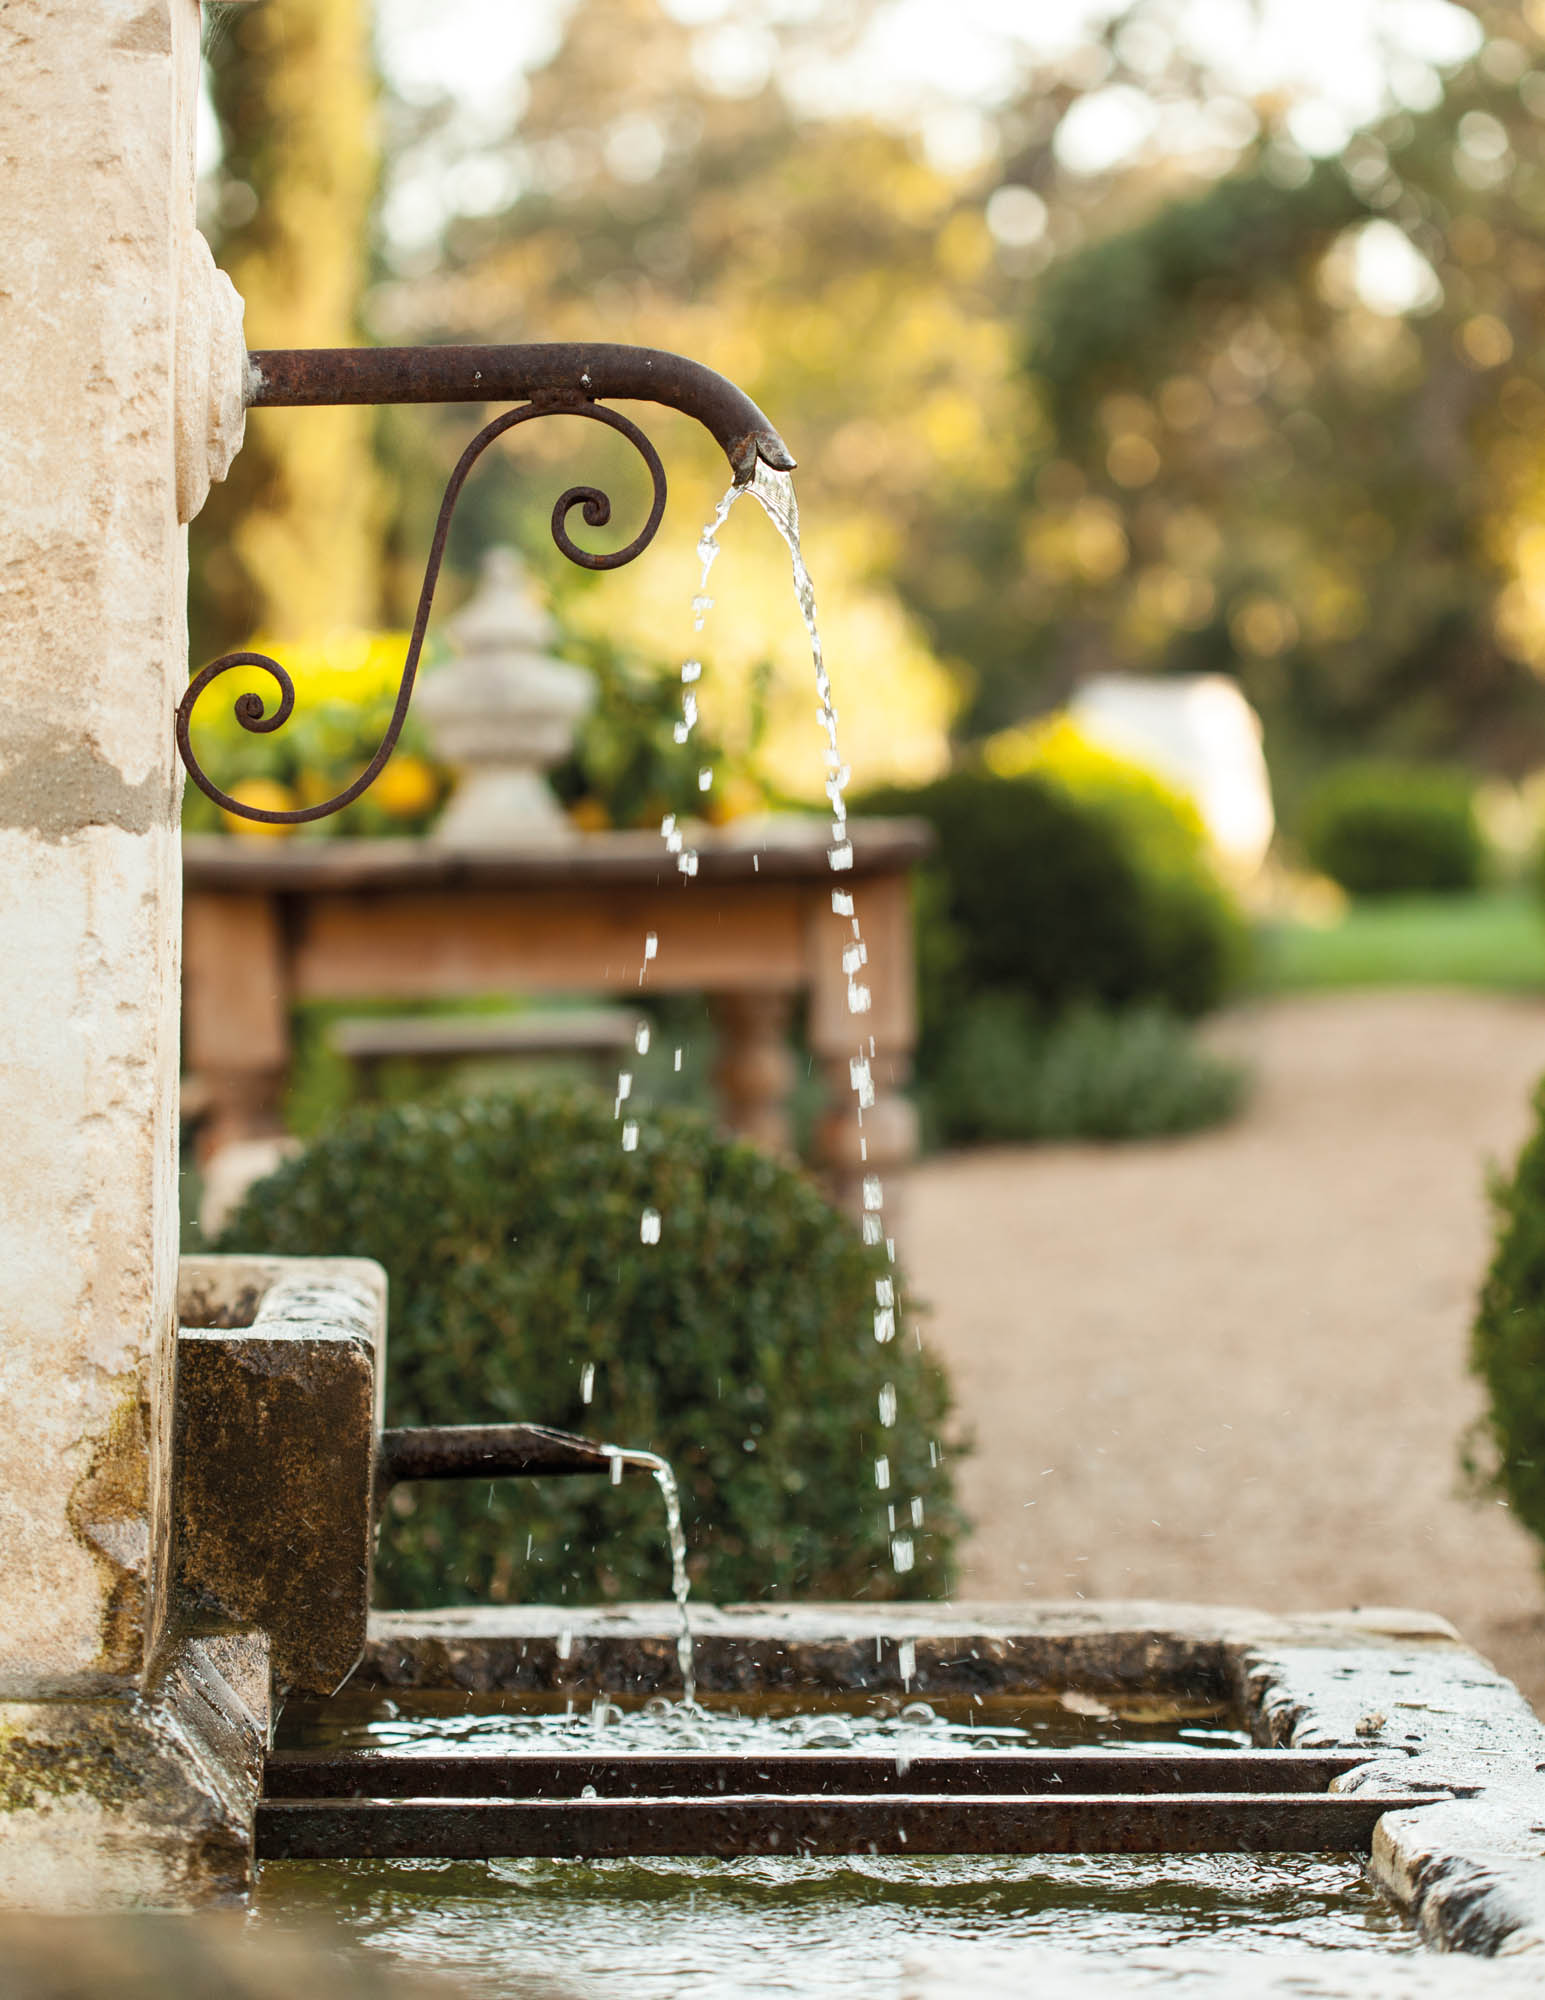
{"points": [[211, 381]]}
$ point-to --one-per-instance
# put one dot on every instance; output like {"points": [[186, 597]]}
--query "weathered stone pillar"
{"points": [[120, 395]]}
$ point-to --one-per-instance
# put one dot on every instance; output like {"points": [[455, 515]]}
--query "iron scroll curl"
{"points": [[596, 510]]}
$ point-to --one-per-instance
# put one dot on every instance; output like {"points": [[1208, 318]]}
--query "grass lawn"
{"points": [[1494, 939]]}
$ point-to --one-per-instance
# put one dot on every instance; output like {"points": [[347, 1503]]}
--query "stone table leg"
{"points": [[754, 1072], [858, 1141]]}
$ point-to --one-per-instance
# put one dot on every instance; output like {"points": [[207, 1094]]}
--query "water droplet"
{"points": [[705, 779], [680, 731], [587, 1382], [841, 857], [565, 1643], [676, 1060], [630, 1135], [884, 1292], [651, 945], [858, 998], [649, 1226], [855, 955], [691, 670], [687, 862], [842, 903], [917, 1513], [874, 1194], [641, 1038], [882, 1473], [906, 1656], [862, 1080], [689, 710], [901, 1554], [884, 1324], [933, 1451], [887, 1404], [624, 1091], [830, 1732], [874, 1228]]}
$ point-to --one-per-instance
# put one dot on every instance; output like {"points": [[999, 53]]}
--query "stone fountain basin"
{"points": [[1400, 1687]]}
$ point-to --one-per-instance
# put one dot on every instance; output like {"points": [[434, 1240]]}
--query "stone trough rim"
{"points": [[1401, 1685]]}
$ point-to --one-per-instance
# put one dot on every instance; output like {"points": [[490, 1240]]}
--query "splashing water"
{"points": [[681, 1583]]}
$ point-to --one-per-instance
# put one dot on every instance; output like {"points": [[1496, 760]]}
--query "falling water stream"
{"points": [[774, 493], [681, 1583]]}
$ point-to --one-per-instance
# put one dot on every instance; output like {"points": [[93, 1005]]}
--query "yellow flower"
{"points": [[407, 787], [267, 794], [589, 815]]}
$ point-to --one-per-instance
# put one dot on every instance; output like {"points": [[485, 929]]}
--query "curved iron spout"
{"points": [[547, 372], [548, 378], [490, 1451]]}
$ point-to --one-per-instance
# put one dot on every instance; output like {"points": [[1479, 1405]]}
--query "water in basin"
{"points": [[664, 1929]]}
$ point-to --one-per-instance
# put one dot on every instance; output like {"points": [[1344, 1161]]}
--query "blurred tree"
{"points": [[1204, 402], [290, 543], [824, 266], [1294, 425]]}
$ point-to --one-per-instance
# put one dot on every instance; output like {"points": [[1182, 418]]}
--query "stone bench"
{"points": [[601, 1034]]}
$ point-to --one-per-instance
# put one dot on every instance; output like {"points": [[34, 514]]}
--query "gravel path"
{"points": [[1232, 1367]]}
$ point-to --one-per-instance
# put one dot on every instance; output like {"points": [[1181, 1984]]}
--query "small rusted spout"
{"points": [[549, 372], [489, 1451]]}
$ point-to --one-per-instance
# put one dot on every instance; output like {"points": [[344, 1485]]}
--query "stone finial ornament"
{"points": [[504, 713]]}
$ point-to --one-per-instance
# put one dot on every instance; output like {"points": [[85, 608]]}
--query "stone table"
{"points": [[267, 925]]}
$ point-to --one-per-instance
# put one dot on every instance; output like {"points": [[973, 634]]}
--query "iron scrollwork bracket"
{"points": [[545, 379]]}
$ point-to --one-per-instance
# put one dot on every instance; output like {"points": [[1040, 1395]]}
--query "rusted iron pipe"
{"points": [[551, 372], [488, 1451]]}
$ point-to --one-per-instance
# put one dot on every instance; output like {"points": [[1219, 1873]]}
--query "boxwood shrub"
{"points": [[1007, 1076], [1391, 829], [1506, 1450], [1058, 900], [740, 1346]]}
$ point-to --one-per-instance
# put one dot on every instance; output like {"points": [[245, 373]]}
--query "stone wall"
{"points": [[120, 393]]}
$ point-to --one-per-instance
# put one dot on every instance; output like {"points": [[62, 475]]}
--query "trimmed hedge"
{"points": [[1507, 1341], [740, 1346], [1007, 1077], [1058, 900], [1392, 829]]}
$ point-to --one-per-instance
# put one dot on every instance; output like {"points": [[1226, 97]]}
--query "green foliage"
{"points": [[741, 1347], [1091, 1074], [1390, 829], [1507, 1341], [1055, 900], [627, 765], [1249, 463], [1102, 300]]}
